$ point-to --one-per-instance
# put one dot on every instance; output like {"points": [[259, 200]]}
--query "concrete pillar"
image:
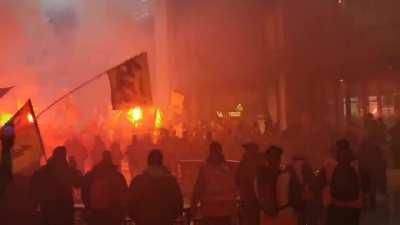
{"points": [[282, 90], [162, 79]]}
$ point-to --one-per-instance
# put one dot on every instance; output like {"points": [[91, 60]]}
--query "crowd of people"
{"points": [[265, 188]]}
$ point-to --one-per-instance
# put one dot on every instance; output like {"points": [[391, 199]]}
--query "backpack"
{"points": [[345, 183], [303, 177], [268, 190], [296, 191], [100, 193], [219, 196]]}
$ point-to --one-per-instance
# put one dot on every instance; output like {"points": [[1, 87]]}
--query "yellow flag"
{"points": [[28, 147]]}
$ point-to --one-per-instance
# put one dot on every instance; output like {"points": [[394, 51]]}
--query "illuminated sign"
{"points": [[239, 108], [220, 114], [235, 114]]}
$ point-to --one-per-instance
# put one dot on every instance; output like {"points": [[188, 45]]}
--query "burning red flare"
{"points": [[135, 115]]}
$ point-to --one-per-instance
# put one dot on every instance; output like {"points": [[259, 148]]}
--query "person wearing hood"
{"points": [[77, 150], [155, 197], [215, 190], [245, 177], [345, 185], [117, 155], [52, 189], [103, 193], [98, 148], [275, 190]]}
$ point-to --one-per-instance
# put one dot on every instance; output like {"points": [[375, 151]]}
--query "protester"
{"points": [[132, 153], [277, 196], [168, 143], [245, 178], [7, 142], [271, 192], [98, 148], [116, 154], [373, 162], [309, 211], [78, 151], [215, 189], [154, 196], [15, 207], [103, 193], [345, 185], [72, 163], [381, 133], [395, 144], [52, 190], [370, 124], [14, 188]]}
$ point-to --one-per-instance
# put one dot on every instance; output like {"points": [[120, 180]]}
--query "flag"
{"points": [[130, 83], [4, 91], [28, 147], [177, 101]]}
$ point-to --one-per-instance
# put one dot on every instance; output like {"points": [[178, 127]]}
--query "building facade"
{"points": [[324, 62]]}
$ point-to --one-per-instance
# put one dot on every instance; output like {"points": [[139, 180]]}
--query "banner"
{"points": [[130, 83], [4, 91], [28, 147]]}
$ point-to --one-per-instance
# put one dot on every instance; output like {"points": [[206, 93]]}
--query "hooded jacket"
{"points": [[155, 197], [114, 198]]}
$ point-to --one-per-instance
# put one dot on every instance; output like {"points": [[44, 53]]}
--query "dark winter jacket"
{"points": [[155, 197]]}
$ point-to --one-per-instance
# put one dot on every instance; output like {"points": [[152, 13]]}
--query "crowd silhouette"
{"points": [[264, 188]]}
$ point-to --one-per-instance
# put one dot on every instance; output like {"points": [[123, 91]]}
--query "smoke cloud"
{"points": [[50, 46]]}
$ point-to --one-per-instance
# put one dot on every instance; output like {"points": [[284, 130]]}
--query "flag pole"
{"points": [[37, 129], [82, 85]]}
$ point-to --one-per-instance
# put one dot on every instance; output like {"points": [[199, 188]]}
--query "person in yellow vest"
{"points": [[344, 186], [274, 190], [215, 189]]}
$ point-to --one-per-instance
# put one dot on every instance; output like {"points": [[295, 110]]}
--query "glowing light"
{"points": [[4, 118], [135, 115], [156, 136], [179, 129], [235, 114], [374, 111], [30, 118], [159, 119], [239, 108], [262, 126], [220, 114]]}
